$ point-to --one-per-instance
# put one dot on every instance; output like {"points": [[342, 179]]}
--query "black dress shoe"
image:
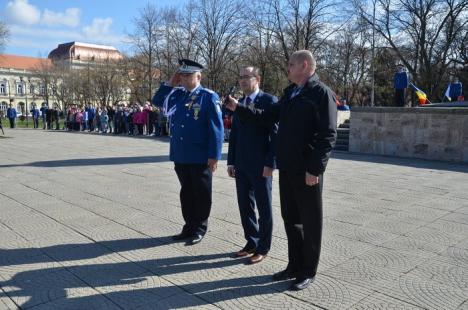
{"points": [[183, 235], [195, 240], [284, 275], [301, 283]]}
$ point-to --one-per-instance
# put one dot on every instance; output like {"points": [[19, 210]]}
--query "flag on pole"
{"points": [[447, 92], [422, 97]]}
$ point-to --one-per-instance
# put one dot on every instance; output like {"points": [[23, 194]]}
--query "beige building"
{"points": [[21, 85]]}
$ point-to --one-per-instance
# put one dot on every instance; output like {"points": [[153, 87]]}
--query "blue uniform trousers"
{"points": [[253, 189], [195, 196]]}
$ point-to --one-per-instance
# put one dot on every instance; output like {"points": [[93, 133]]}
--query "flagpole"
{"points": [[373, 56]]}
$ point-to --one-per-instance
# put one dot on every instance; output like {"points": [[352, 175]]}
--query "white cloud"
{"points": [[70, 18], [99, 27], [100, 32], [21, 12]]}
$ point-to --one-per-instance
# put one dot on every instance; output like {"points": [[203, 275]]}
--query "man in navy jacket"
{"points": [[11, 114], [251, 161]]}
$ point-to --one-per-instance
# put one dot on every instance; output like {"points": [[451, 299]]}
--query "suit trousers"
{"points": [[255, 190], [195, 196], [301, 209]]}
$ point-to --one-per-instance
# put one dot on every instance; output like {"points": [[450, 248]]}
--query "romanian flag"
{"points": [[422, 97]]}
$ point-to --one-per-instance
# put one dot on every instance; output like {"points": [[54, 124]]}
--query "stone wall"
{"points": [[429, 133], [341, 117]]}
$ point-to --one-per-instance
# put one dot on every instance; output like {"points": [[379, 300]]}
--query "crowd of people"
{"points": [[135, 119], [121, 119]]}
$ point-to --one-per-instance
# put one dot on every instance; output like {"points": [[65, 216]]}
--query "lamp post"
{"points": [[25, 90], [373, 55], [9, 92]]}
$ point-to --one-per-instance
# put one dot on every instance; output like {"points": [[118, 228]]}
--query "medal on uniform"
{"points": [[196, 110]]}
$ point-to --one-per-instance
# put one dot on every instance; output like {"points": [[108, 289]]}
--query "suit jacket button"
{"points": [[181, 138], [182, 126]]}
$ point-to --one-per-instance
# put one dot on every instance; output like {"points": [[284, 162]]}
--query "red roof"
{"points": [[22, 62]]}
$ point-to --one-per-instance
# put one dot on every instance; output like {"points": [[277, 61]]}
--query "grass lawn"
{"points": [[23, 124]]}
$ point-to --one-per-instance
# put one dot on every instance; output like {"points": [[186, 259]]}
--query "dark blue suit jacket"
{"points": [[252, 146]]}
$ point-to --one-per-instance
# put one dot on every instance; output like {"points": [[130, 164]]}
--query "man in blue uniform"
{"points": [[11, 114], [400, 83], [251, 161], [196, 128], [454, 90]]}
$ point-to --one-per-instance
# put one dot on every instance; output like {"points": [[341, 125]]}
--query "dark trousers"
{"points": [[301, 209], [12, 122], [36, 122], [195, 196], [253, 189], [400, 97]]}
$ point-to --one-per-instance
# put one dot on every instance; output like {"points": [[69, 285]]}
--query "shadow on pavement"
{"points": [[105, 161], [121, 283], [93, 161]]}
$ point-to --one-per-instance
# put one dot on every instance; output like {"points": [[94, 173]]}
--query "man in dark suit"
{"points": [[307, 132], [251, 161]]}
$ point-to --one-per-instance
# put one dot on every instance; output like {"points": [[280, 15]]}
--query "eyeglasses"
{"points": [[246, 77]]}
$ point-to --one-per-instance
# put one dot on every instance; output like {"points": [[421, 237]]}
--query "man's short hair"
{"points": [[305, 55], [255, 70]]}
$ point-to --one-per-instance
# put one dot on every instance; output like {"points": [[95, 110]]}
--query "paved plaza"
{"points": [[86, 220]]}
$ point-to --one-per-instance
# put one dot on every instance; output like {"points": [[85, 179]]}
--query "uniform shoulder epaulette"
{"points": [[208, 90]]}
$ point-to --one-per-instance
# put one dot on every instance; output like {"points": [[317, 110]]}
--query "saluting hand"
{"points": [[311, 179], [212, 164], [231, 103], [174, 80]]}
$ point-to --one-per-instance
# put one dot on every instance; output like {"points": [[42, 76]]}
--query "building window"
{"points": [[3, 107], [20, 108], [2, 88], [19, 89], [31, 89], [42, 90]]}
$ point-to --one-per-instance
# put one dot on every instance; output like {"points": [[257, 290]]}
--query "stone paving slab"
{"points": [[86, 220]]}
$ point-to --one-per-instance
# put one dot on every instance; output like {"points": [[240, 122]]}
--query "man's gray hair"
{"points": [[255, 70], [305, 55]]}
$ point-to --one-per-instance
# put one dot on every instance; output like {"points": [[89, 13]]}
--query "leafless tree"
{"points": [[109, 81], [423, 34], [146, 40], [44, 73], [4, 33], [219, 34]]}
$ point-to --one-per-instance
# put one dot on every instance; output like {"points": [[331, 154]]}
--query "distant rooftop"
{"points": [[83, 51], [22, 62]]}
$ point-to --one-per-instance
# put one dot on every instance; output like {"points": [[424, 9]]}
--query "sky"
{"points": [[38, 26]]}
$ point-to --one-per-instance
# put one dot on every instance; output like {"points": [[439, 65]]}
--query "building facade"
{"points": [[22, 85], [19, 83]]}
